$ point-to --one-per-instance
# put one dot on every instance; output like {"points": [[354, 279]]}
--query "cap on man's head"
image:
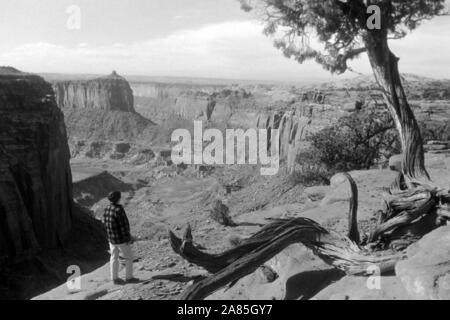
{"points": [[114, 196]]}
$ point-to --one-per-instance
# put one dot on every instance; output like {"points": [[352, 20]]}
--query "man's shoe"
{"points": [[118, 281], [132, 280]]}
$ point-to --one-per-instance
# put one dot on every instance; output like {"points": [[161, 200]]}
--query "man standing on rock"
{"points": [[118, 232]]}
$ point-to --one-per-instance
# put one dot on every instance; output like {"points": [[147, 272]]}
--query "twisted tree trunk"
{"points": [[344, 253], [238, 262], [341, 252], [385, 68], [414, 206]]}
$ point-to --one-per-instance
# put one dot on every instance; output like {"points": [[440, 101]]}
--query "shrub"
{"points": [[446, 94], [234, 240], [220, 213], [309, 171], [435, 131], [431, 94], [356, 141]]}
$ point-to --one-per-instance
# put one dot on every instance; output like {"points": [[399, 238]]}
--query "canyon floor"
{"points": [[157, 199], [115, 149]]}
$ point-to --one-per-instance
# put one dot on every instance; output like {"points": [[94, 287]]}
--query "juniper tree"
{"points": [[333, 32], [344, 30]]}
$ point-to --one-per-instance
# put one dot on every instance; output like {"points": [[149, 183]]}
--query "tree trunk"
{"points": [[240, 261], [385, 68], [410, 213]]}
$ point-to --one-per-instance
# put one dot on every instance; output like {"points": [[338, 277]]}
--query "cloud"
{"points": [[225, 50], [424, 51], [234, 49]]}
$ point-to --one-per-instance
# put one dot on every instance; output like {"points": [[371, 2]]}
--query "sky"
{"points": [[179, 38]]}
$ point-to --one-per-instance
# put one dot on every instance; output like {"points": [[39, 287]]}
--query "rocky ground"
{"points": [[113, 147], [170, 200]]}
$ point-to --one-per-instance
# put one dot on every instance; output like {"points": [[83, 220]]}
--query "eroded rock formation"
{"points": [[426, 272], [35, 176], [294, 125], [112, 93], [218, 106], [100, 108]]}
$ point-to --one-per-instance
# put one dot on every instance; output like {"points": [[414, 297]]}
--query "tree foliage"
{"points": [[338, 25], [414, 206], [356, 141]]}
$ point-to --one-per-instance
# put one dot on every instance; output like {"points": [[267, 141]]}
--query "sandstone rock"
{"points": [[395, 163], [158, 100], [339, 190], [316, 193], [350, 107], [426, 272], [341, 193], [433, 147], [91, 190], [292, 132], [35, 176], [301, 275], [295, 125], [218, 106], [95, 124], [364, 288], [112, 93], [163, 91], [193, 106], [100, 108], [337, 180]]}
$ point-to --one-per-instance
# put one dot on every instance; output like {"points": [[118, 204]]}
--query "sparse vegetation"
{"points": [[357, 141], [234, 240], [309, 170], [342, 27], [432, 131], [221, 214], [311, 174]]}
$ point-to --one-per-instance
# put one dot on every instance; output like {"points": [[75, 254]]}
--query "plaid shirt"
{"points": [[116, 224]]}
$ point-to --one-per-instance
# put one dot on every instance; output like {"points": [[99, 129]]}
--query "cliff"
{"points": [[294, 126], [216, 103], [35, 176], [100, 108], [111, 93], [172, 90], [219, 106], [156, 100]]}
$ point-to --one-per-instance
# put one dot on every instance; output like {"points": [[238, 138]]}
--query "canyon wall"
{"points": [[218, 104], [35, 176], [162, 91], [294, 125], [157, 100], [89, 115], [112, 93], [265, 107], [100, 109]]}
